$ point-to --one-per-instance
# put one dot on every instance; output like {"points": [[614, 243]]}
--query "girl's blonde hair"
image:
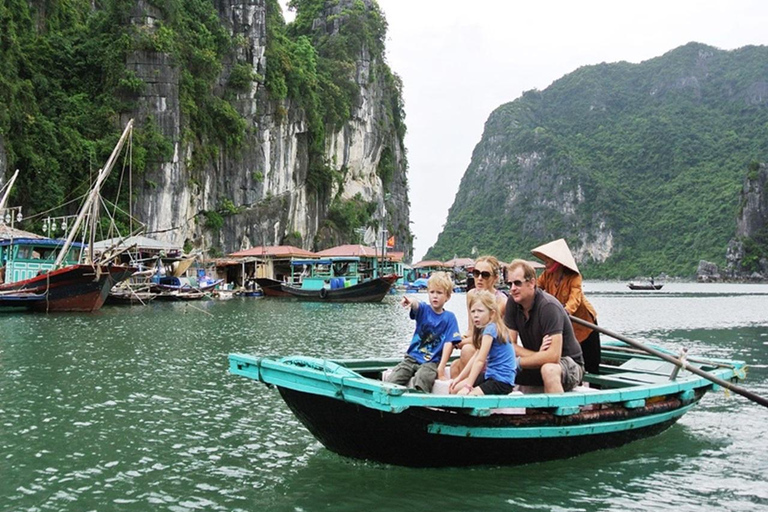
{"points": [[488, 300]]}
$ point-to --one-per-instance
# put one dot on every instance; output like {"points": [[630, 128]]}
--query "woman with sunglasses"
{"points": [[486, 274], [562, 279]]}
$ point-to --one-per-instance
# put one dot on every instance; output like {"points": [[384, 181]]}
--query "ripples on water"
{"points": [[133, 409]]}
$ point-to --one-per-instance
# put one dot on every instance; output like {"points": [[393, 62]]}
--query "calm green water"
{"points": [[132, 408]]}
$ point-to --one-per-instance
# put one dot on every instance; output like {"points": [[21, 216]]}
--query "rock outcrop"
{"points": [[747, 254], [263, 184]]}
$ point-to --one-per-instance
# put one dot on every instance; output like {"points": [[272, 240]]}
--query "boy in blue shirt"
{"points": [[434, 328]]}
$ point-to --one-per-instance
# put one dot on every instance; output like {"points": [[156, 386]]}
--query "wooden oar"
{"points": [[677, 362]]}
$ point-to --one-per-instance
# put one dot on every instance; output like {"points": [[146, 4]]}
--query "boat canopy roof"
{"points": [[325, 261], [38, 242]]}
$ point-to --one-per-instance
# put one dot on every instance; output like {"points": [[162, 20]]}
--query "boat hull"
{"points": [[423, 437], [373, 290], [271, 287], [633, 286], [347, 406], [82, 288]]}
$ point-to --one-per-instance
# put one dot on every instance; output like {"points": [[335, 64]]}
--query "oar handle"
{"points": [[677, 362]]}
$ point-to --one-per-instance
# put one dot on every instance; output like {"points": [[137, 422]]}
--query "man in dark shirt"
{"points": [[550, 354]]}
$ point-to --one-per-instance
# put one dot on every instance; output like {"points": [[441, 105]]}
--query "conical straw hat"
{"points": [[557, 251]]}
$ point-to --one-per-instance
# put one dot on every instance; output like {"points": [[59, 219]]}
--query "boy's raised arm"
{"points": [[409, 302]]}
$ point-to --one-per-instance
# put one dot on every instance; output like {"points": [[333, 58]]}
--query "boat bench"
{"points": [[633, 372]]}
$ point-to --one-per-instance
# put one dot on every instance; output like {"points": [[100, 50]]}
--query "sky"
{"points": [[459, 60]]}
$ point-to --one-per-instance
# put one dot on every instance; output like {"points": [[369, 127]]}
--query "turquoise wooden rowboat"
{"points": [[348, 408]]}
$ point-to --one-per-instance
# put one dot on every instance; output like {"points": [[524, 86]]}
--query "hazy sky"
{"points": [[459, 60]]}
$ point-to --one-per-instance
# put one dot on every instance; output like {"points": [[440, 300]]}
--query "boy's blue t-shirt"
{"points": [[501, 364], [432, 331]]}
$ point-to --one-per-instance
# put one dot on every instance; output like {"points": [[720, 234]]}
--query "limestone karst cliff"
{"points": [[251, 131], [747, 257]]}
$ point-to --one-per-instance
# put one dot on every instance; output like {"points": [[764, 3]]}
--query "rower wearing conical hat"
{"points": [[561, 278]]}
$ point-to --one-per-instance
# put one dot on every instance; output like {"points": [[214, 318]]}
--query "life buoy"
{"points": [[323, 293]]}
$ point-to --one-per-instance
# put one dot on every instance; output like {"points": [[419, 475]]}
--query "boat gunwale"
{"points": [[346, 384]]}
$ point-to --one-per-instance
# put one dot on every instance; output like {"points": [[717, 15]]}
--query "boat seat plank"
{"points": [[648, 366]]}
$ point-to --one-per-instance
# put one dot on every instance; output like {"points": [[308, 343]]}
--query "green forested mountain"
{"points": [[638, 166]]}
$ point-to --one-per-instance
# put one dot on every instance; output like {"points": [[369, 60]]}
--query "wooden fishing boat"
{"points": [[33, 281], [332, 279], [271, 287], [644, 286], [350, 410], [44, 274], [372, 290]]}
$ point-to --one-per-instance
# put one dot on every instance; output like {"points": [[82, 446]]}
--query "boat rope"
{"points": [[682, 361], [201, 310], [339, 388], [47, 289]]}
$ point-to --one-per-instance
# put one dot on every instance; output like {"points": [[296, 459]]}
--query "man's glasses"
{"points": [[516, 283], [484, 273]]}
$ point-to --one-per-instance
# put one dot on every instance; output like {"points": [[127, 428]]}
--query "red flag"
{"points": [[391, 242]]}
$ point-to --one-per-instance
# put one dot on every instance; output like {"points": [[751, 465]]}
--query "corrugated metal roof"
{"points": [[7, 231]]}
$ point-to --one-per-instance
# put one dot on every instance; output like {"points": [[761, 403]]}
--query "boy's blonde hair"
{"points": [[488, 300], [440, 280]]}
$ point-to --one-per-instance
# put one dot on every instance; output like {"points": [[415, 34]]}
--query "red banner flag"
{"points": [[391, 242]]}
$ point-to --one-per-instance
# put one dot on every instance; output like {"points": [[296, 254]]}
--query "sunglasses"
{"points": [[484, 273], [517, 283]]}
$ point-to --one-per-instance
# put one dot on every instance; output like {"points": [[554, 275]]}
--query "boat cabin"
{"points": [[336, 272], [25, 258]]}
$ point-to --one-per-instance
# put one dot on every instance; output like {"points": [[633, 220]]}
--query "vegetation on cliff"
{"points": [[644, 161], [64, 87], [64, 84], [313, 62]]}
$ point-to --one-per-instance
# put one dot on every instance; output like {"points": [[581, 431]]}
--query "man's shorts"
{"points": [[572, 373]]}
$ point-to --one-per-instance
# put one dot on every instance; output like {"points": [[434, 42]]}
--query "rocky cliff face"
{"points": [[747, 256], [638, 166], [264, 182]]}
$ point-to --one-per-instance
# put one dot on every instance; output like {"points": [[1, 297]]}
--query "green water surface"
{"points": [[132, 408]]}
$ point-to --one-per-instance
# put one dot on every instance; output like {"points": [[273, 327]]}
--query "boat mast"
{"points": [[103, 173], [8, 188]]}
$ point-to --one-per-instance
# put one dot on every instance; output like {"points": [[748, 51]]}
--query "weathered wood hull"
{"points": [[73, 288], [271, 287]]}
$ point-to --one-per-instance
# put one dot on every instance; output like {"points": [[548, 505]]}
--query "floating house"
{"points": [[372, 263], [272, 262]]}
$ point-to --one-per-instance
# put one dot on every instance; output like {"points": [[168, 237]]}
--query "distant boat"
{"points": [[644, 286], [372, 290], [332, 279], [347, 406]]}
